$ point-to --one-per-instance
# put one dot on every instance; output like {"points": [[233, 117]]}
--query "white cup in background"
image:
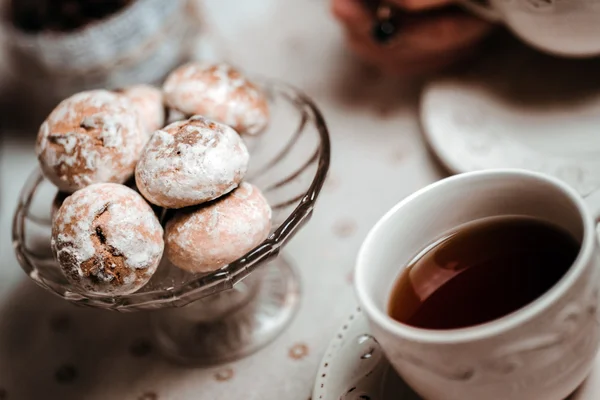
{"points": [[568, 28]]}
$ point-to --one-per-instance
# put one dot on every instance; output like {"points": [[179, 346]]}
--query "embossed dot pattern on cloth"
{"points": [[298, 351], [224, 375]]}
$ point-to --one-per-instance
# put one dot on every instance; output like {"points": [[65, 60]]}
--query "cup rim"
{"points": [[494, 327]]}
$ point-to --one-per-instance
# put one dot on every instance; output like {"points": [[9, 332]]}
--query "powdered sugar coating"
{"points": [[148, 102], [191, 162], [57, 203], [90, 137], [107, 239], [211, 236], [218, 92]]}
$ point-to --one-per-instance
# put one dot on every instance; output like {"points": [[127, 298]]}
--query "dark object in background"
{"points": [[385, 24], [384, 29], [389, 21], [34, 16]]}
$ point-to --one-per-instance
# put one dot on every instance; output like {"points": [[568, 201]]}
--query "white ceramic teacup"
{"points": [[563, 27], [541, 351]]}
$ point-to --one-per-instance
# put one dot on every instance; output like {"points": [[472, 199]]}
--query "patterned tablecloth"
{"points": [[52, 350]]}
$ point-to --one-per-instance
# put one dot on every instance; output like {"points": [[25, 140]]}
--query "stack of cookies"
{"points": [[106, 235]]}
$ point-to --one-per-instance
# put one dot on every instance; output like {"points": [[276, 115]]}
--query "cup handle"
{"points": [[482, 10]]}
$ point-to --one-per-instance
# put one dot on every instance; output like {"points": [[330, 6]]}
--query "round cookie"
{"points": [[57, 203], [174, 115], [218, 92], [148, 102], [90, 137], [208, 237], [107, 239], [191, 162]]}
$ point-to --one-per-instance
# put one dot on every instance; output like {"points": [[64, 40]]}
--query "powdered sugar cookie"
{"points": [[107, 239], [57, 203], [218, 92], [148, 102], [211, 236], [191, 162], [91, 137]]}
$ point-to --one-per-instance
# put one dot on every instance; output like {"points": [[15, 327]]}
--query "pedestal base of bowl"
{"points": [[231, 324]]}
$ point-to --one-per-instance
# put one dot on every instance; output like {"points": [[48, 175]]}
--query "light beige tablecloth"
{"points": [[52, 350]]}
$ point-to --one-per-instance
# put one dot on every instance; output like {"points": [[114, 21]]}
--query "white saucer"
{"points": [[355, 368], [515, 108]]}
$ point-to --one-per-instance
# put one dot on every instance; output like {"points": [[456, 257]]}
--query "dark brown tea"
{"points": [[483, 271]]}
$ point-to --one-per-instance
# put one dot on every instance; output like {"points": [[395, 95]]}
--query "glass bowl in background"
{"points": [[229, 313]]}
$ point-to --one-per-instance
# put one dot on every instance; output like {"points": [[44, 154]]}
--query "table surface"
{"points": [[52, 350]]}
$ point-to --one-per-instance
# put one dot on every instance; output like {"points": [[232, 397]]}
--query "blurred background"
{"points": [[49, 49]]}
